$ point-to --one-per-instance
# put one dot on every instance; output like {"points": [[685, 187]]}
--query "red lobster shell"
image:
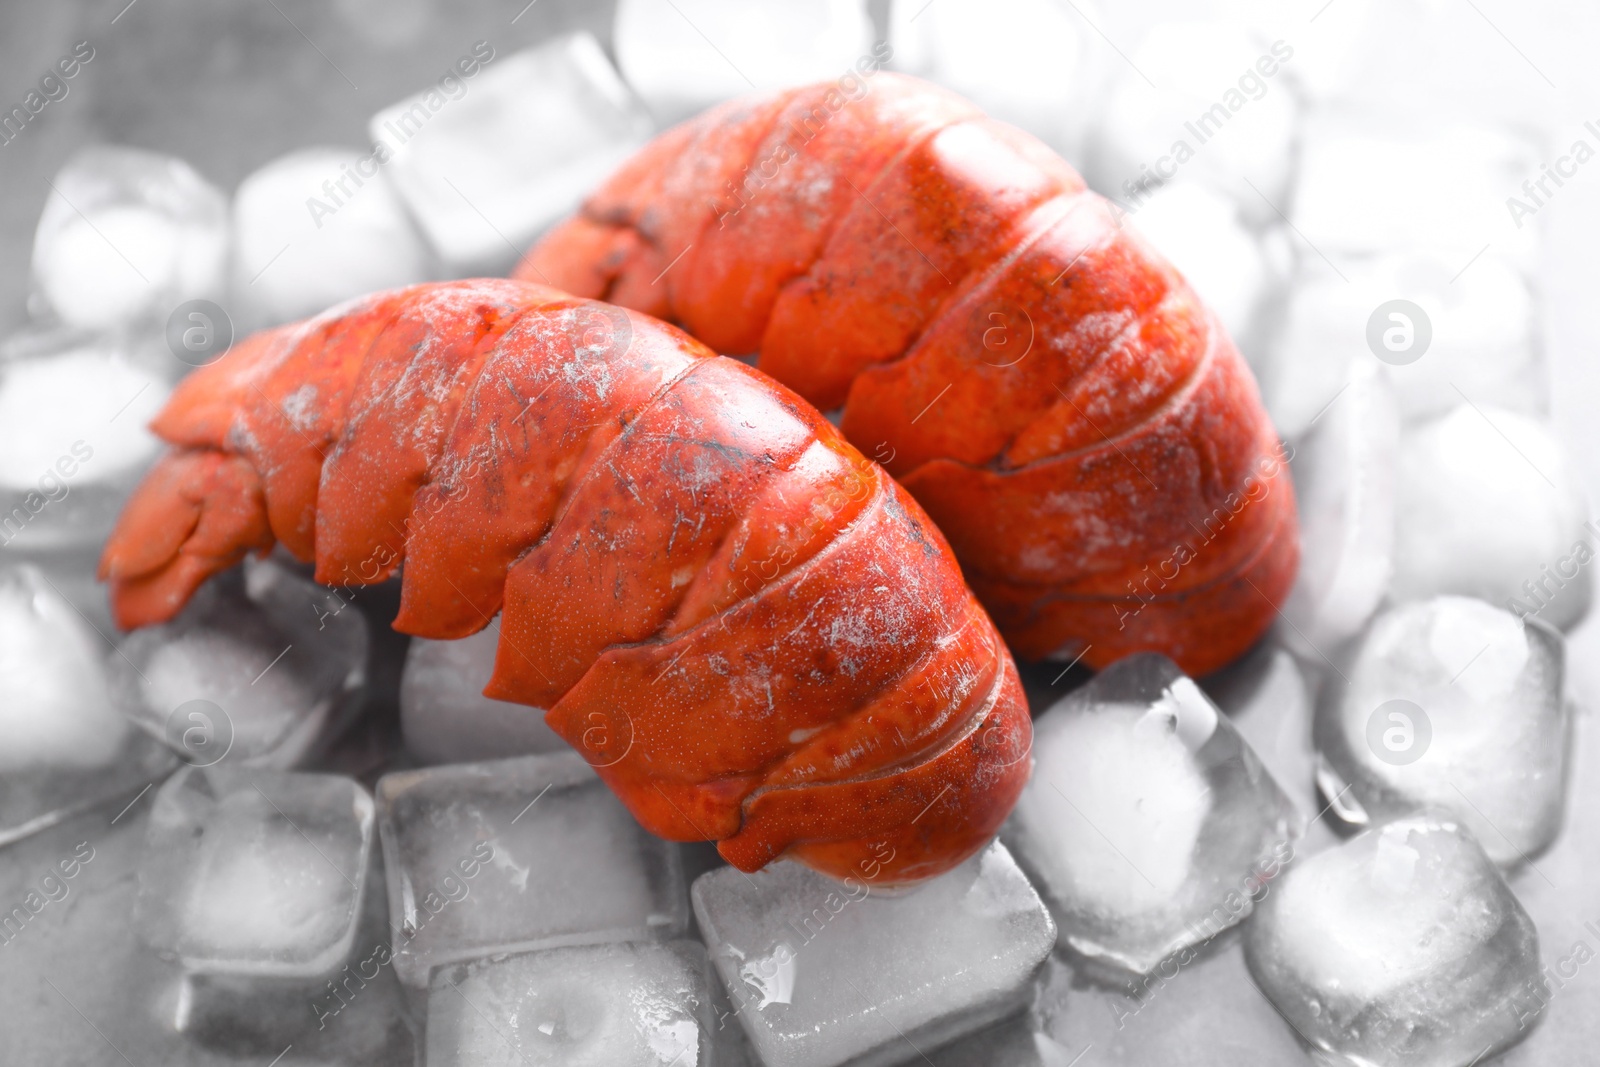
{"points": [[1045, 384], [754, 634]]}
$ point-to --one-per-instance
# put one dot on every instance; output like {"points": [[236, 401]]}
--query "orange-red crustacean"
{"points": [[754, 634], [1046, 385]]}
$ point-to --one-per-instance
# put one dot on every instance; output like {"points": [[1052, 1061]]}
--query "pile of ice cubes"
{"points": [[267, 832]]}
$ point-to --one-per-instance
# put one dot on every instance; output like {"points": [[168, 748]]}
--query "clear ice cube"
{"points": [[445, 716], [1031, 63], [1149, 824], [823, 973], [126, 236], [1367, 182], [255, 872], [1454, 704], [65, 746], [1402, 946], [1478, 324], [1344, 483], [503, 154], [638, 1004], [1269, 699], [79, 986], [1199, 1008], [73, 442], [682, 56], [255, 670], [1489, 507], [1561, 1011], [316, 227], [1183, 85], [515, 855]]}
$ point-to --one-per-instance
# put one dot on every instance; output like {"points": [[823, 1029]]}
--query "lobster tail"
{"points": [[752, 633], [198, 512], [1047, 386]]}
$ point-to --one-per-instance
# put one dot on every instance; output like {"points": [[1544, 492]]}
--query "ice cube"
{"points": [[256, 670], [1198, 1008], [1194, 99], [638, 1003], [1402, 946], [73, 443], [1454, 704], [1371, 61], [255, 872], [126, 236], [81, 987], [824, 973], [1477, 328], [515, 855], [1031, 63], [1269, 699], [1489, 507], [1561, 1011], [71, 570], [1344, 482], [484, 164], [444, 714], [1368, 183], [65, 747], [1149, 824], [682, 56], [316, 227], [1201, 233]]}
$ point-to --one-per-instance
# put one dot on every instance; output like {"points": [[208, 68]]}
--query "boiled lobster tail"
{"points": [[753, 634], [1049, 388]]}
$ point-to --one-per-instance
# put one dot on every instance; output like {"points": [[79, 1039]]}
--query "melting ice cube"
{"points": [[484, 170], [444, 714], [254, 872], [1269, 700], [824, 973], [518, 854], [73, 410], [639, 1003], [1344, 482], [1474, 336], [316, 227], [1489, 507], [1402, 946], [1031, 63], [1455, 704], [1184, 86], [64, 745], [1368, 183], [682, 56], [126, 236], [256, 669], [1149, 824]]}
